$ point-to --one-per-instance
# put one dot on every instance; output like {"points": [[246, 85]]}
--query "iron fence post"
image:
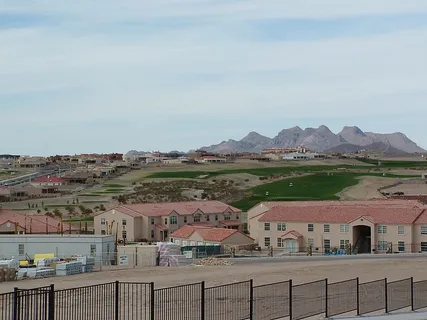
{"points": [[116, 300], [15, 303], [51, 314], [152, 312], [357, 296], [386, 295], [412, 294], [290, 300], [326, 298], [202, 302], [251, 299]]}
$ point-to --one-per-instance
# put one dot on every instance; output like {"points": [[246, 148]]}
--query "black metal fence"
{"points": [[239, 300]]}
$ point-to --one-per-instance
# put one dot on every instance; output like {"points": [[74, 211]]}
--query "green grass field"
{"points": [[314, 187], [396, 164], [255, 171]]}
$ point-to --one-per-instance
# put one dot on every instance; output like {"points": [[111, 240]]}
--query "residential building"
{"points": [[156, 221], [399, 225], [209, 236], [303, 156], [212, 159], [48, 181], [14, 222]]}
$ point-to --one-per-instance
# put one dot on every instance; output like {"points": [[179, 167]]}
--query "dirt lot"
{"points": [[262, 273], [365, 189], [410, 188]]}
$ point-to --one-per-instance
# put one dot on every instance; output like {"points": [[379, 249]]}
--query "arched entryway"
{"points": [[290, 245], [362, 239]]}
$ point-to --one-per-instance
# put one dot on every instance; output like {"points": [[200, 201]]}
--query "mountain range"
{"points": [[322, 139]]}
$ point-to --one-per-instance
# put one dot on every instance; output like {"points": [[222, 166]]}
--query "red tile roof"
{"points": [[181, 208], [161, 227], [207, 233], [49, 179], [230, 222], [383, 211], [292, 232], [37, 222]]}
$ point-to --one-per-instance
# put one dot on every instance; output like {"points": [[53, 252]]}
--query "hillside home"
{"points": [[48, 181], [156, 221], [324, 225]]}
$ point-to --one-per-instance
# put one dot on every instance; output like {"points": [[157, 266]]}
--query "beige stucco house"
{"points": [[209, 236], [156, 221], [369, 226]]}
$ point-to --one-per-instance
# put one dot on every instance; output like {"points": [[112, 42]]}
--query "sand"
{"points": [[393, 268]]}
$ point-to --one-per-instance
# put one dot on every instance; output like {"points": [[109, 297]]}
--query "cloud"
{"points": [[138, 61]]}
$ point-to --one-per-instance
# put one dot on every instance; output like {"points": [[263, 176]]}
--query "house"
{"points": [[424, 175], [156, 221], [209, 236], [212, 159], [48, 181], [4, 193], [13, 222], [324, 225]]}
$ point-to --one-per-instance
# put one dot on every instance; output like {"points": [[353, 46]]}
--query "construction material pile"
{"points": [[212, 261], [170, 255], [7, 274], [69, 268]]}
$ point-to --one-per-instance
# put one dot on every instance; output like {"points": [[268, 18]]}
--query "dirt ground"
{"points": [[410, 188], [300, 272], [365, 189]]}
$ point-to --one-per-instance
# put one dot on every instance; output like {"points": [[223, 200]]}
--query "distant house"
{"points": [[156, 221], [12, 222], [48, 181], [209, 236], [424, 175], [4, 193], [373, 225]]}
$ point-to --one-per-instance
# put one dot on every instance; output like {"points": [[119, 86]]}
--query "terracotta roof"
{"points": [[180, 208], [51, 179], [294, 233], [383, 211], [230, 222], [207, 233], [161, 227], [38, 222]]}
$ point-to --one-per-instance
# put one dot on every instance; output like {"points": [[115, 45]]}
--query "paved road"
{"points": [[250, 260]]}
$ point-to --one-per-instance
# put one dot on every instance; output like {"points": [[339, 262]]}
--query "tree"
{"points": [[71, 210], [102, 207]]}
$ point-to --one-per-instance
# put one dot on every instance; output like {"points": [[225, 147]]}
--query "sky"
{"points": [[112, 76]]}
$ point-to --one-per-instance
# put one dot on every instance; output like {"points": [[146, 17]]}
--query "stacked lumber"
{"points": [[211, 261]]}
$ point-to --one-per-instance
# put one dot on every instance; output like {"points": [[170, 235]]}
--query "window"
{"points": [[93, 250], [344, 228], [400, 230], [344, 244], [382, 229], [279, 242], [177, 241], [310, 227], [281, 227], [200, 243], [267, 226], [174, 220], [423, 229], [423, 246], [21, 249], [401, 246], [197, 218], [327, 245], [123, 222], [102, 220], [103, 232], [166, 220], [266, 242], [208, 218], [184, 243], [152, 220], [382, 245], [310, 242], [227, 217], [185, 219], [152, 234], [171, 240], [124, 234], [216, 217], [326, 228]]}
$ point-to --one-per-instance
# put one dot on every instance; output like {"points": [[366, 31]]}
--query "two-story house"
{"points": [[369, 226], [156, 221]]}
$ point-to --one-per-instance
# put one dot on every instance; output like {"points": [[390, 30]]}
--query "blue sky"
{"points": [[109, 76]]}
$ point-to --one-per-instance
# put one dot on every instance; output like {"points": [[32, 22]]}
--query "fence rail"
{"points": [[240, 300]]}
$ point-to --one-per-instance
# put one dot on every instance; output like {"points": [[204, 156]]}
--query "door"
{"points": [[290, 245]]}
